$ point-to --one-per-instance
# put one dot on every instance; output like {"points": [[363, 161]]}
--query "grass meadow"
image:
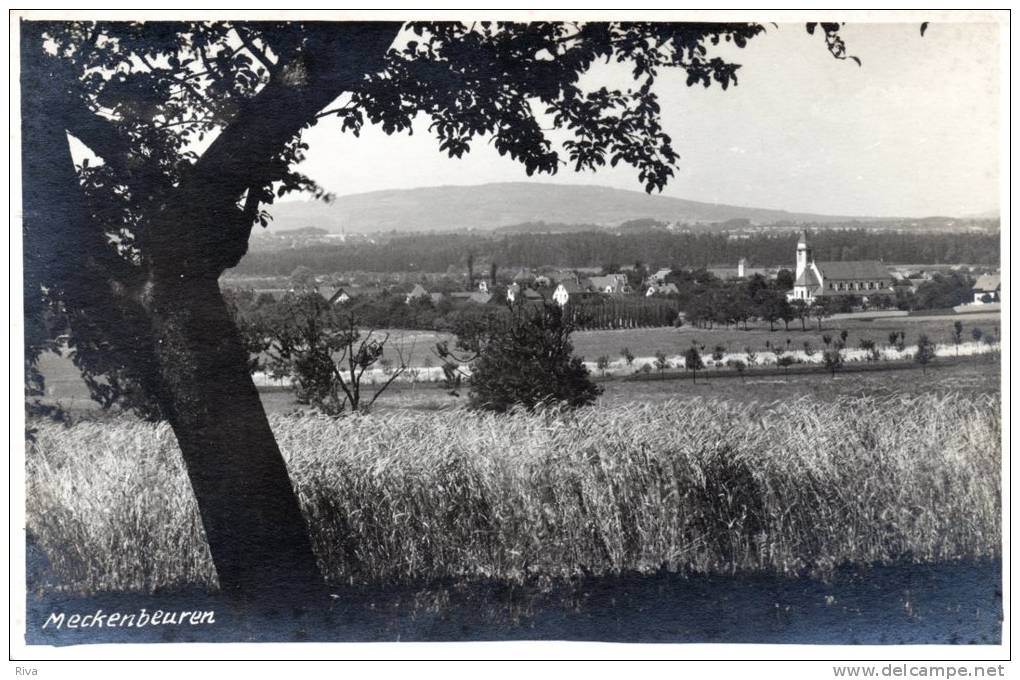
{"points": [[717, 486]]}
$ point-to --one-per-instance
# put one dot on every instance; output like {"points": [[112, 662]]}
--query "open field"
{"points": [[968, 375], [971, 377], [64, 385], [708, 486], [648, 341]]}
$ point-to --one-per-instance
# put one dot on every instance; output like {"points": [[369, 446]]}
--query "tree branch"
{"points": [[333, 59], [260, 55]]}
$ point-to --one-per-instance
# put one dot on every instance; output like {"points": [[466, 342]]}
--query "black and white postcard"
{"points": [[645, 334]]}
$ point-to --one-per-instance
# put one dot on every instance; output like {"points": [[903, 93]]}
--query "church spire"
{"points": [[804, 256]]}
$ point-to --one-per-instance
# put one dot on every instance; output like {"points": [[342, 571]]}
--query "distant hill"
{"points": [[490, 206]]}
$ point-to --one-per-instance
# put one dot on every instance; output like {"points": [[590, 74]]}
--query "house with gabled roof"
{"points": [[987, 289], [417, 293], [659, 277], [334, 295]]}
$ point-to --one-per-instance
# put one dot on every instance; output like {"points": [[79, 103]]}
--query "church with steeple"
{"points": [[865, 279]]}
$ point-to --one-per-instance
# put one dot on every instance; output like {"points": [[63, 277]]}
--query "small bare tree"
{"points": [[324, 353], [925, 352], [661, 362], [957, 335]]}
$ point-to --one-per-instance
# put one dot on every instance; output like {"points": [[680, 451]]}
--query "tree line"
{"points": [[438, 252]]}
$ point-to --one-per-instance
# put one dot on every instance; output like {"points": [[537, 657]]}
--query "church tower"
{"points": [[804, 257]]}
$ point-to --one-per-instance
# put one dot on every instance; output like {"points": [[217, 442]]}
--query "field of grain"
{"points": [[710, 486]]}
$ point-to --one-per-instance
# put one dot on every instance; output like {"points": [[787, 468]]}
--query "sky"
{"points": [[912, 132]]}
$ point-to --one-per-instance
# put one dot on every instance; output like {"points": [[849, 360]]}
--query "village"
{"points": [[854, 285]]}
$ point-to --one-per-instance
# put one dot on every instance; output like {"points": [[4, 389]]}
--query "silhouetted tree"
{"points": [[784, 280], [718, 353], [833, 358], [821, 309], [925, 352], [693, 362], [126, 254], [800, 310], [661, 362], [302, 279]]}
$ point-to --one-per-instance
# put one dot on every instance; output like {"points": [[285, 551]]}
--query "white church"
{"points": [[864, 279]]}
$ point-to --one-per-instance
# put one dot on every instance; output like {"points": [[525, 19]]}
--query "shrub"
{"points": [[737, 365], [693, 362], [925, 352], [869, 346], [528, 361], [833, 359]]}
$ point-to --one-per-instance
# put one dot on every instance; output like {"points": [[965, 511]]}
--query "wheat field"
{"points": [[797, 487]]}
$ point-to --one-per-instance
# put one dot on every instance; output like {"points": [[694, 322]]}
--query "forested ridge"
{"points": [[438, 252]]}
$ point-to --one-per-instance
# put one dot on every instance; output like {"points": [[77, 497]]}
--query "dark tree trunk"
{"points": [[181, 344], [253, 523]]}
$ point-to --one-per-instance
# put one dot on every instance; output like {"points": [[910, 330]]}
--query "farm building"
{"points": [[988, 288], [821, 279], [610, 283], [417, 293], [662, 289], [659, 277], [334, 295]]}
